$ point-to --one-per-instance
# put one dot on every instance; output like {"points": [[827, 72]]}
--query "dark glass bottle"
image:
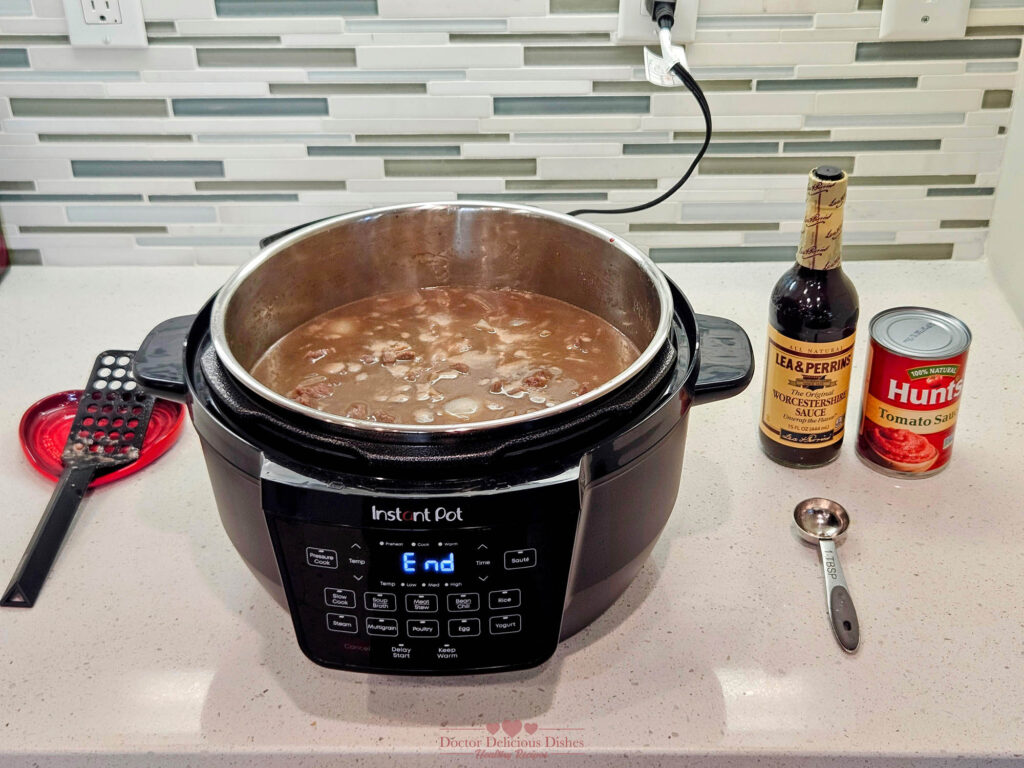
{"points": [[812, 322]]}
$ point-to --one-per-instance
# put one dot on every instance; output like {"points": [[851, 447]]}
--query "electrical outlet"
{"points": [[636, 25], [923, 19], [106, 23], [101, 11]]}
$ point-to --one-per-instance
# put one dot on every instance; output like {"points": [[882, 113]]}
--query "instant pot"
{"points": [[440, 549]]}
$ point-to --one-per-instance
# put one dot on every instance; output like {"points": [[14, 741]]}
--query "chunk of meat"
{"points": [[383, 417], [315, 355], [307, 394], [538, 378], [397, 350], [357, 411]]}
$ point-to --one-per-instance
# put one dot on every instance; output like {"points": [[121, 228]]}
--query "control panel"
{"points": [[425, 586]]}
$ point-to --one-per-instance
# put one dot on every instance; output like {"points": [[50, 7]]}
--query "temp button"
{"points": [[520, 558]]}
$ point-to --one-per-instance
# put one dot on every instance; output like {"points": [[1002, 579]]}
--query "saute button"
{"points": [[341, 622], [339, 598], [321, 558], [381, 627], [463, 627], [505, 625], [504, 598], [422, 628], [380, 601], [463, 601], [520, 558], [421, 603]]}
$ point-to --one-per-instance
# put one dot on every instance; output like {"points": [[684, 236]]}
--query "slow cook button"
{"points": [[459, 602], [339, 598], [380, 601], [505, 625], [504, 598], [422, 628], [381, 627], [463, 627], [321, 558], [520, 558], [421, 603], [341, 622]]}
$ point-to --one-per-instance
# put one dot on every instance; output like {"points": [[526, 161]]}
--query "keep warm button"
{"points": [[520, 558]]}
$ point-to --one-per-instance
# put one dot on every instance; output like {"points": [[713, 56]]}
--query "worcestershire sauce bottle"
{"points": [[812, 321]]}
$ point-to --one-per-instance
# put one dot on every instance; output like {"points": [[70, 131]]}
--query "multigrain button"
{"points": [[321, 558], [422, 628], [339, 598], [463, 627], [381, 627], [504, 598], [380, 601], [520, 558], [341, 622], [416, 603], [459, 602], [505, 625]]}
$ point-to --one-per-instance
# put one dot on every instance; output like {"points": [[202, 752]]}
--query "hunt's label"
{"points": [[806, 389]]}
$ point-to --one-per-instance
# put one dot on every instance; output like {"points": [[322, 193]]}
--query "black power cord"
{"points": [[662, 15]]}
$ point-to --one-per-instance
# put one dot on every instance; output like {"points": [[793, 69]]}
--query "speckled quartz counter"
{"points": [[153, 645]]}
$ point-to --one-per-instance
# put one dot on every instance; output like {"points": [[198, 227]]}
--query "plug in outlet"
{"points": [[101, 11], [106, 23], [636, 26], [923, 19]]}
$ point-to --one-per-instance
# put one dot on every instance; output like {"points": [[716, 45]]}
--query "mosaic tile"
{"points": [[249, 107], [296, 7], [154, 168]]}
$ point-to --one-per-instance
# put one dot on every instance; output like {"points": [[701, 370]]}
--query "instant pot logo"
{"points": [[424, 515]]}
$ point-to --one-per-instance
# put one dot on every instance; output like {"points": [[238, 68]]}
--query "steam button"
{"points": [[520, 558], [340, 622]]}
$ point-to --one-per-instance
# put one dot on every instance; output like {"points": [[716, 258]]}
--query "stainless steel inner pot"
{"points": [[483, 244]]}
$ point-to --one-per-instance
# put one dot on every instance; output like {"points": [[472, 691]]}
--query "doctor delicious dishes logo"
{"points": [[511, 740], [397, 514]]}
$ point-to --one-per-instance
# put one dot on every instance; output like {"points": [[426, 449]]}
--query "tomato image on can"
{"points": [[915, 377]]}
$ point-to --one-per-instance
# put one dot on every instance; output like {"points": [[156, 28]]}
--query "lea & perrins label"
{"points": [[806, 389], [912, 390]]}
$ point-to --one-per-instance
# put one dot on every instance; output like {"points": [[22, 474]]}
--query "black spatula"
{"points": [[107, 433]]}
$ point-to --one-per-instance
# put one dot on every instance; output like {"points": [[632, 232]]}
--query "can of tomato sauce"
{"points": [[912, 390]]}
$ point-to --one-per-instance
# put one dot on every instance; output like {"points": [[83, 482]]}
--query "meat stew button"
{"points": [[417, 603], [520, 558]]}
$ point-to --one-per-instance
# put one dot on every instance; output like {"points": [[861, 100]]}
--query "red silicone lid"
{"points": [[46, 424]]}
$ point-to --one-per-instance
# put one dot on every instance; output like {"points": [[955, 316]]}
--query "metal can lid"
{"points": [[918, 332]]}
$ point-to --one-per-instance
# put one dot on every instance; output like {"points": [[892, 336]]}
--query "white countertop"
{"points": [[152, 644]]}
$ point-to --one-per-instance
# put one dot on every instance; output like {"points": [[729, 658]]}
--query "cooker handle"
{"points": [[160, 362], [726, 360]]}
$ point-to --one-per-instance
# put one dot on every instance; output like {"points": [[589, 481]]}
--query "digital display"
{"points": [[416, 562]]}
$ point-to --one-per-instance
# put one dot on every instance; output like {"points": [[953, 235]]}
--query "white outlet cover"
{"points": [[923, 19], [636, 26], [129, 32]]}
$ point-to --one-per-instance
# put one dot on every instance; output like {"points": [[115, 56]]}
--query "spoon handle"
{"points": [[837, 596]]}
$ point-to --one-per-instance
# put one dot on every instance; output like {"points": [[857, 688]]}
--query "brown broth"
{"points": [[447, 355]]}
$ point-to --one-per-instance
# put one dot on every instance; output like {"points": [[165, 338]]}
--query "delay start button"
{"points": [[520, 558]]}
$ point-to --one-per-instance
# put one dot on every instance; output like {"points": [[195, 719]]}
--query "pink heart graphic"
{"points": [[530, 728], [511, 727], [492, 728]]}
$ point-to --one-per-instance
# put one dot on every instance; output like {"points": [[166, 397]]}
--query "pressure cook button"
{"points": [[520, 558], [321, 558], [422, 628], [380, 601], [341, 622], [381, 627], [339, 598], [506, 625], [463, 627], [421, 603], [504, 598], [459, 602]]}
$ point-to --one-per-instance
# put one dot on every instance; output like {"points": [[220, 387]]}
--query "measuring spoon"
{"points": [[822, 521]]}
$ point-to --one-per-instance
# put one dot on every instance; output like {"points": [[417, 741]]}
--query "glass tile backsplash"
{"points": [[244, 117]]}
